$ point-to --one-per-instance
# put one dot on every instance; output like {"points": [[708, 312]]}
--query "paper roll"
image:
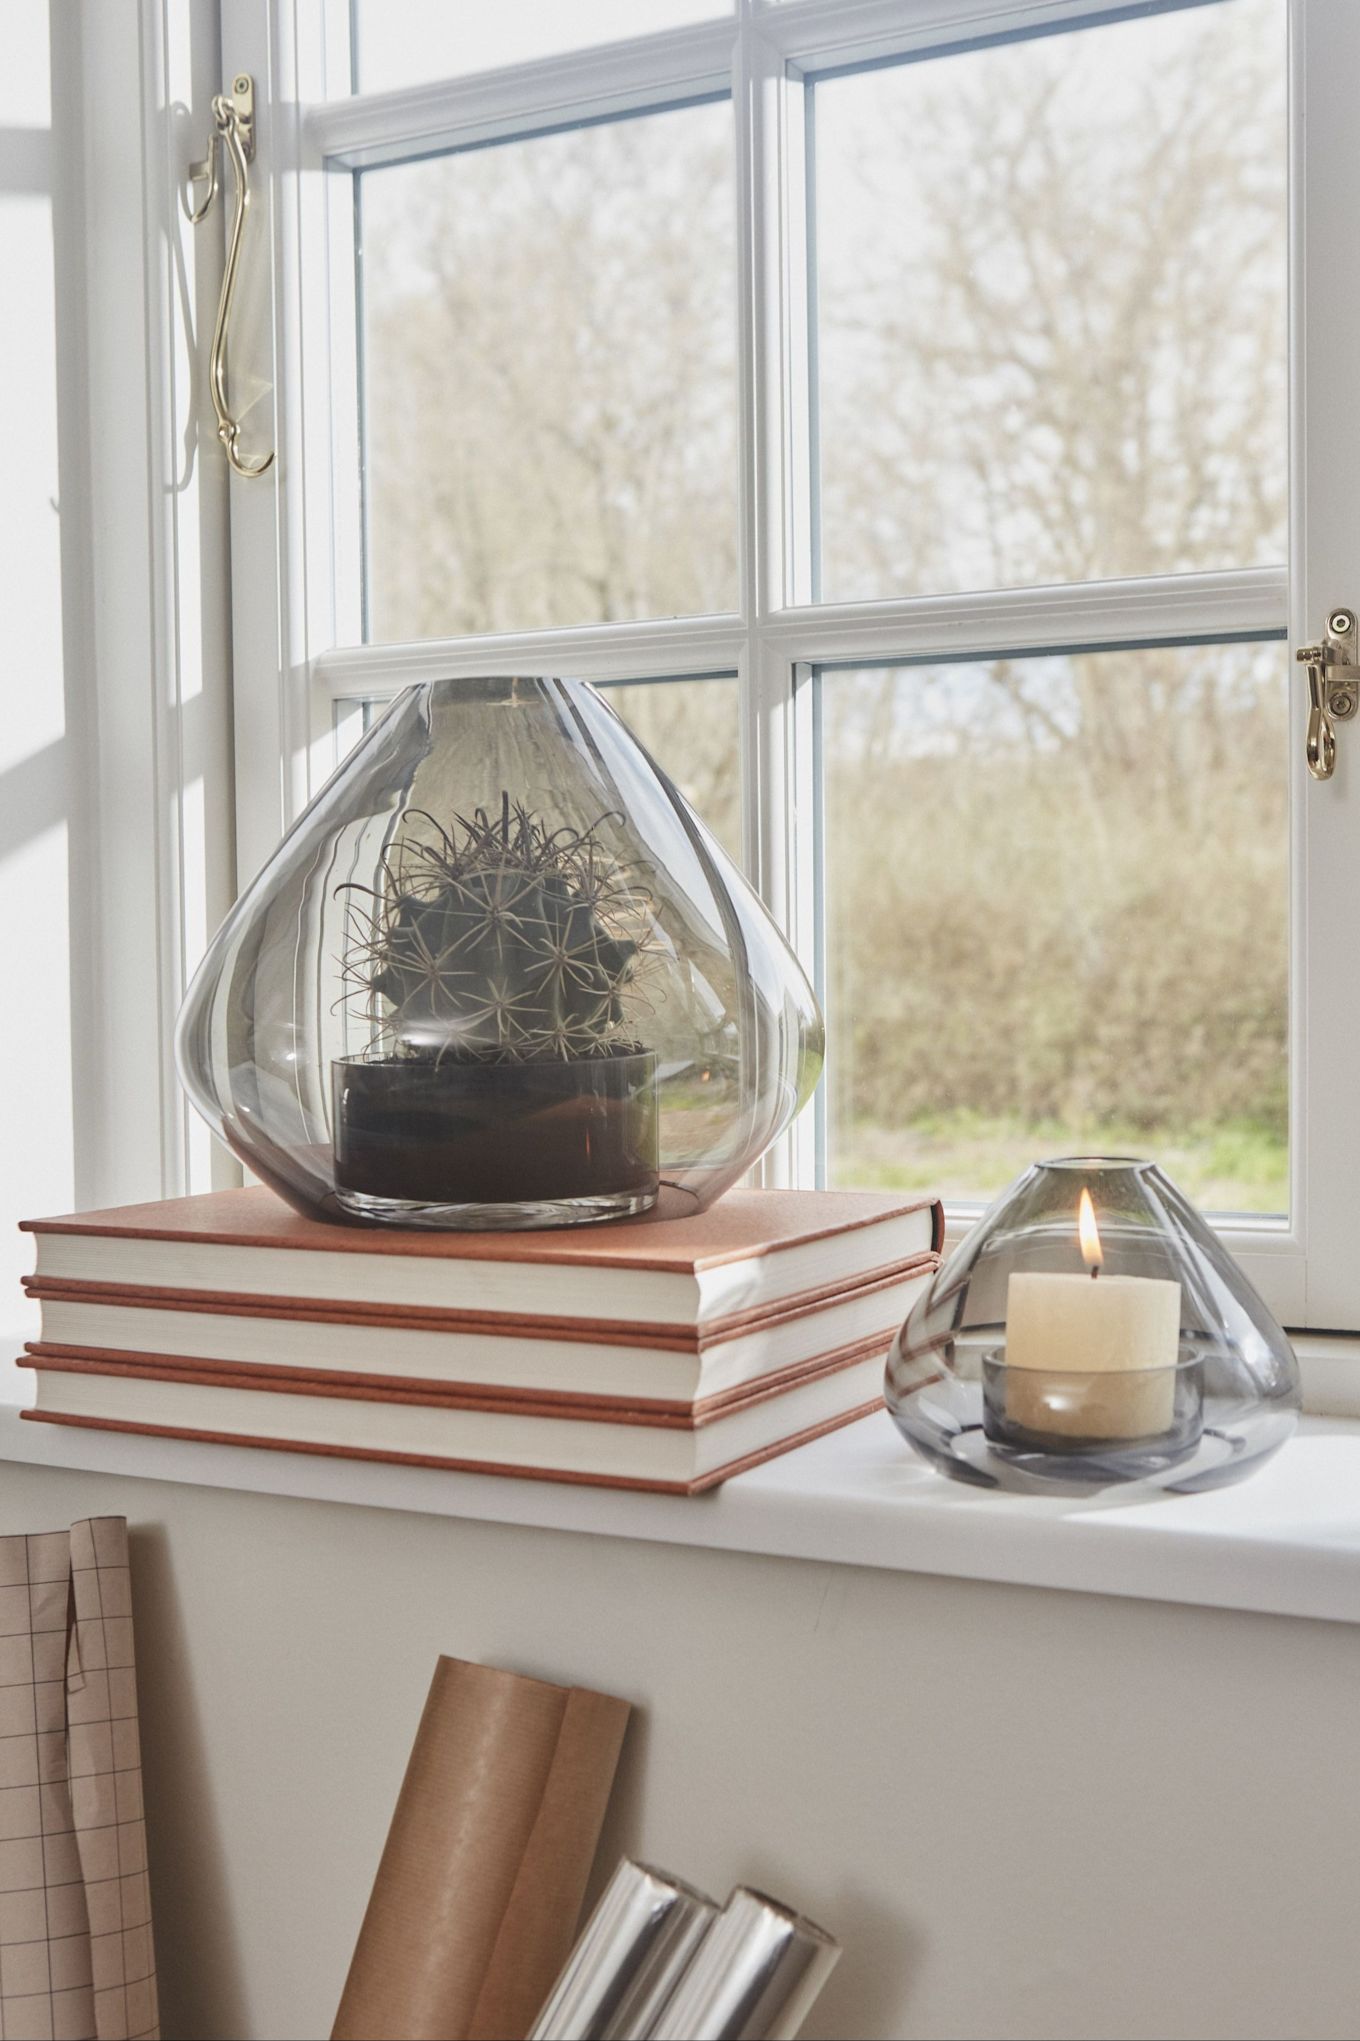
{"points": [[754, 1977], [484, 1870], [76, 1954], [629, 1959]]}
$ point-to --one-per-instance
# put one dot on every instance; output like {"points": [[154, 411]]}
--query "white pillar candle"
{"points": [[1125, 1330]]}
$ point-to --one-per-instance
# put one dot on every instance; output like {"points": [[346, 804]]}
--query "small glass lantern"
{"points": [[1092, 1329]]}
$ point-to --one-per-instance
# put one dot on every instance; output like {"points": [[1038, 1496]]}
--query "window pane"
{"points": [[692, 729], [1056, 918], [1051, 307], [549, 379], [406, 42]]}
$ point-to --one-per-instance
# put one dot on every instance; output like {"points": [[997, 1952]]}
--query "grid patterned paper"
{"points": [[76, 1960]]}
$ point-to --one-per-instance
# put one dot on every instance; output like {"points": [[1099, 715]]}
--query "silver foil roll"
{"points": [[754, 1976], [631, 1953]]}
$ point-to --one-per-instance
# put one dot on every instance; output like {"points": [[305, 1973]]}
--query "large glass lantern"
{"points": [[499, 974], [1092, 1329]]}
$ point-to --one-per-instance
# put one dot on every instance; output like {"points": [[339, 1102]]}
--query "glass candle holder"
{"points": [[1092, 1329], [499, 974]]}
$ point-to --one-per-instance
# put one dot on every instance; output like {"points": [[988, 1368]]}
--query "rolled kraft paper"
{"points": [[754, 1978], [477, 1896], [631, 1955]]}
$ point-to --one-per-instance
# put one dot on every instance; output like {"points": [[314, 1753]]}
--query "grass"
{"points": [[1236, 1166]]}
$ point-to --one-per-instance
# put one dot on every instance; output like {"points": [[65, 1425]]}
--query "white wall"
{"points": [[1026, 1813]]}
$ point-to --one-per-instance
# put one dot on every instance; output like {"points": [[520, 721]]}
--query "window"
{"points": [[548, 401], [893, 406], [1109, 977], [1051, 307]]}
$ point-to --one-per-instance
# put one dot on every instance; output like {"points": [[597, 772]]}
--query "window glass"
{"points": [[1056, 918], [692, 728], [407, 42], [549, 405], [1051, 327]]}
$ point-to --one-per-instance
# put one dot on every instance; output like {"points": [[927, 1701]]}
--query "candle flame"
{"points": [[1089, 1233]]}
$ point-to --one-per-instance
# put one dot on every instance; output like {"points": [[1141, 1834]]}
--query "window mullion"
{"points": [[1246, 603], [625, 651], [775, 526], [753, 356], [562, 91]]}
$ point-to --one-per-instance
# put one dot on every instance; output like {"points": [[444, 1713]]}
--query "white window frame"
{"points": [[295, 539], [145, 583]]}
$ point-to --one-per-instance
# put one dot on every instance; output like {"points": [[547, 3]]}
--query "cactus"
{"points": [[498, 940]]}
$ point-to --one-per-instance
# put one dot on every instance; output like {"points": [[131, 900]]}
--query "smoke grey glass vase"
{"points": [[1092, 1329], [499, 974]]}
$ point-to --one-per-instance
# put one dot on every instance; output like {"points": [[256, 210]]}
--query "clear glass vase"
{"points": [[499, 974], [1092, 1329]]}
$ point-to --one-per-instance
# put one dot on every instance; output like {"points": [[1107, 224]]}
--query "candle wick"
{"points": [[1095, 1270]]}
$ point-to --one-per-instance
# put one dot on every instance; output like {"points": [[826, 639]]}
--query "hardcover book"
{"points": [[752, 1250], [619, 1447], [655, 1354], [671, 1366]]}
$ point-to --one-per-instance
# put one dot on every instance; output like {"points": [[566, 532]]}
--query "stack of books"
{"points": [[656, 1353]]}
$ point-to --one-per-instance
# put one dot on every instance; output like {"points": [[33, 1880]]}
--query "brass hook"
{"points": [[206, 171], [1320, 749], [1333, 688], [234, 130]]}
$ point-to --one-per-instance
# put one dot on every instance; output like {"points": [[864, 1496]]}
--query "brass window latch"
{"points": [[233, 130], [1333, 689]]}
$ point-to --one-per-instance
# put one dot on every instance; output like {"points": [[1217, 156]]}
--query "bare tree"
{"points": [[550, 417]]}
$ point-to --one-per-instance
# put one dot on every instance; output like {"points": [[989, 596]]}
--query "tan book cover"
{"points": [[755, 1255], [744, 1224]]}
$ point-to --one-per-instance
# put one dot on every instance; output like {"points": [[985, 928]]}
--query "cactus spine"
{"points": [[496, 940]]}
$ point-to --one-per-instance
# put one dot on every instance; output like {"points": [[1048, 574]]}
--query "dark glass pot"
{"points": [[515, 1143]]}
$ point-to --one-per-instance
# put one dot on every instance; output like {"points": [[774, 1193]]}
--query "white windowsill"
{"points": [[1284, 1542]]}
